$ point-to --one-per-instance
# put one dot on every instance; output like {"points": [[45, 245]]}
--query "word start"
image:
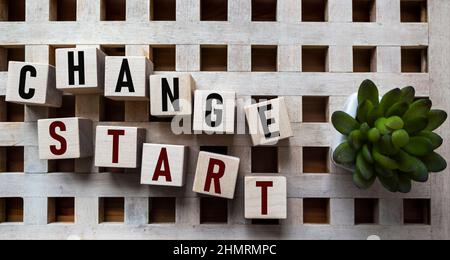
{"points": [[90, 71]]}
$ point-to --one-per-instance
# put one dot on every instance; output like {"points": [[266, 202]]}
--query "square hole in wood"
{"points": [[315, 58], [111, 170], [259, 99], [63, 10], [112, 210], [364, 11], [413, 11], [264, 58], [264, 10], [65, 165], [314, 10], [214, 58], [364, 59], [316, 211], [163, 10], [215, 149], [61, 210], [11, 112], [11, 53], [11, 159], [113, 110], [163, 57], [315, 159], [366, 211], [214, 10], [213, 210], [315, 109], [265, 222], [11, 210], [414, 59], [113, 10], [417, 211], [265, 159], [12, 10], [162, 210], [113, 50], [67, 108]]}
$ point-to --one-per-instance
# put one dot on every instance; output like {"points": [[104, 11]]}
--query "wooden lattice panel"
{"points": [[313, 53]]}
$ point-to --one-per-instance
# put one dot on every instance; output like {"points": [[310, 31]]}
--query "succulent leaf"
{"points": [[408, 94], [367, 154], [416, 124], [364, 167], [374, 135], [363, 111], [360, 182], [404, 183], [400, 138], [420, 174], [368, 91], [384, 161], [391, 184], [434, 162], [434, 138], [355, 139], [384, 172], [380, 124], [344, 154], [419, 146], [394, 123], [386, 146], [343, 122], [435, 119], [419, 108], [398, 109], [389, 99]]}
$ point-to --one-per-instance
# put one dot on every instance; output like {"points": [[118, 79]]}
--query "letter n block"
{"points": [[32, 84], [127, 78], [171, 95], [214, 111], [119, 147], [216, 175], [163, 165], [268, 122], [65, 138], [265, 198], [80, 70]]}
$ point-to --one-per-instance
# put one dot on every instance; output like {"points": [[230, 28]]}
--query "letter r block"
{"points": [[268, 121], [65, 138], [32, 84], [265, 198], [119, 147], [216, 175], [163, 165]]}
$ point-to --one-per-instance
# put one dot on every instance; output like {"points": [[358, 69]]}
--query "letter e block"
{"points": [[216, 175], [268, 122], [80, 70], [65, 138], [163, 165], [171, 95], [119, 147], [127, 78], [32, 84], [265, 198]]}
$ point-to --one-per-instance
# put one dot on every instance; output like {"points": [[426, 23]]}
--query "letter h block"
{"points": [[265, 198], [119, 147], [216, 175], [65, 138]]}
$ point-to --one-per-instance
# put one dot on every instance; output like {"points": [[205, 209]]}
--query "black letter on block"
{"points": [[121, 83], [167, 94], [73, 68], [209, 110], [266, 122], [23, 74]]}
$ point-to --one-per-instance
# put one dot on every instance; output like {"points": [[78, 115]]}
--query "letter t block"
{"points": [[265, 198]]}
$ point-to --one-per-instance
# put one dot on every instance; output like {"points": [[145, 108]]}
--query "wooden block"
{"points": [[163, 165], [171, 95], [65, 138], [126, 78], [216, 175], [214, 111], [80, 70], [265, 198], [118, 147], [32, 84], [268, 121]]}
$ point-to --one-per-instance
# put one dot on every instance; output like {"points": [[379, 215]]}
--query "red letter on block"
{"points": [[116, 134], [214, 175], [57, 137], [264, 186], [163, 159]]}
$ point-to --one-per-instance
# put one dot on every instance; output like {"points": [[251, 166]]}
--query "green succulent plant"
{"points": [[391, 139]]}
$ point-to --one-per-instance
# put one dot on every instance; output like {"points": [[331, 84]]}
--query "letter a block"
{"points": [[65, 138], [127, 78], [268, 122], [118, 147], [32, 84], [214, 111], [216, 175], [80, 70], [265, 198], [163, 165], [171, 95]]}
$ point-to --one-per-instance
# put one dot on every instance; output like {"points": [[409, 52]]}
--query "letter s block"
{"points": [[32, 84], [268, 121], [216, 175], [163, 165], [119, 147], [265, 198], [65, 138]]}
